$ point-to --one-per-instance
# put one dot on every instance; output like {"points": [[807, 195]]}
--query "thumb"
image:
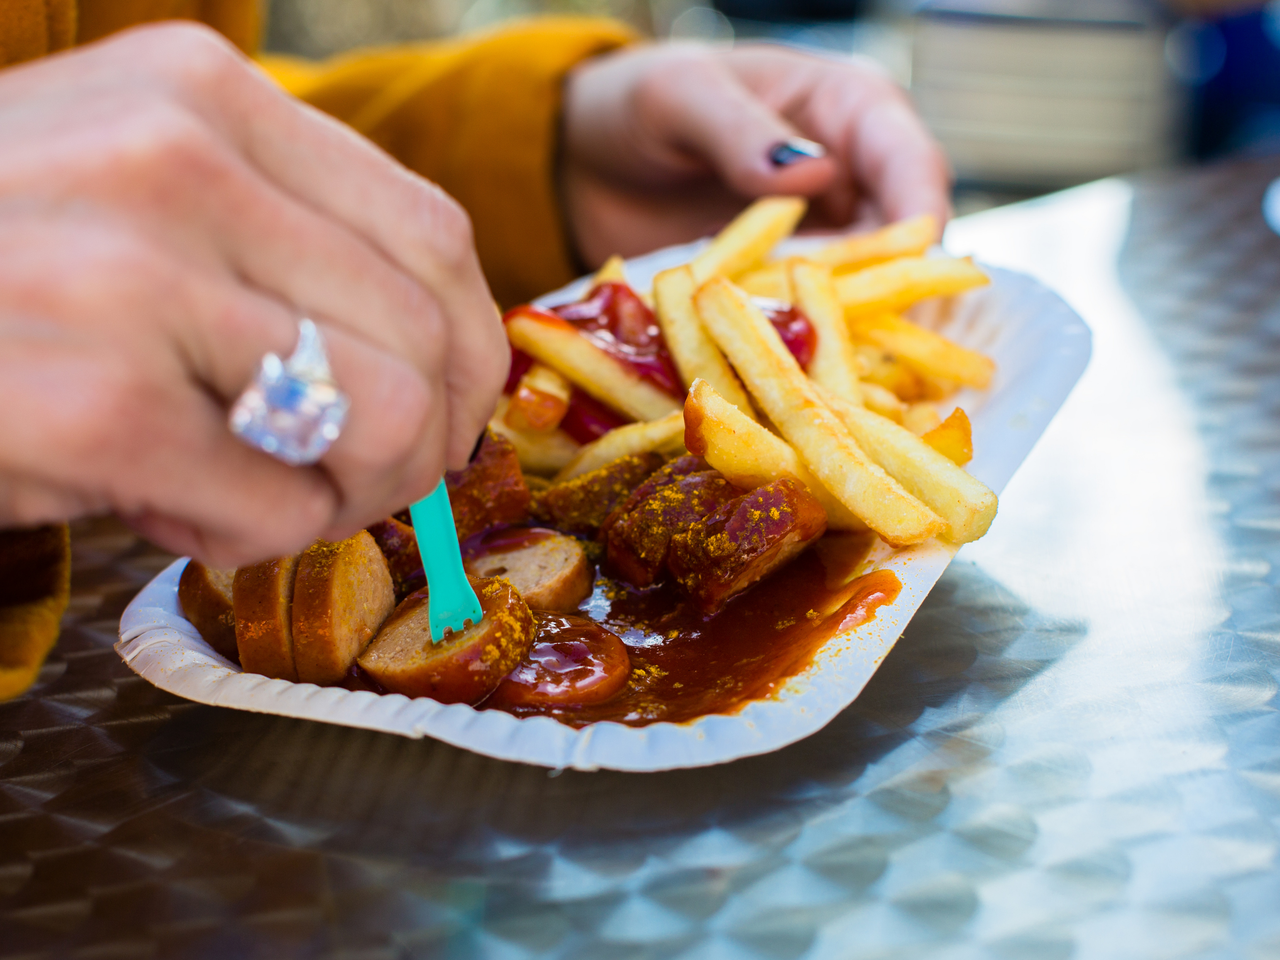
{"points": [[700, 108]]}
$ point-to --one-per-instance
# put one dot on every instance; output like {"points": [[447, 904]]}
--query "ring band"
{"points": [[293, 410]]}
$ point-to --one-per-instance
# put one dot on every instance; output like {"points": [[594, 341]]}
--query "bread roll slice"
{"points": [[549, 570], [466, 665], [341, 596], [262, 601], [205, 596]]}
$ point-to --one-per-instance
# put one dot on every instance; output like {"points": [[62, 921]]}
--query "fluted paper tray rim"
{"points": [[1041, 348]]}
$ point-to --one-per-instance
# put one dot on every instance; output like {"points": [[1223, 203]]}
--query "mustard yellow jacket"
{"points": [[478, 116]]}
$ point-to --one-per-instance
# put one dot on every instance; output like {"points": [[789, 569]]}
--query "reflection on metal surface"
{"points": [[1074, 750], [1271, 205]]}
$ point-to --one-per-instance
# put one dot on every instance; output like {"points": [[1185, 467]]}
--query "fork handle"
{"points": [[450, 599]]}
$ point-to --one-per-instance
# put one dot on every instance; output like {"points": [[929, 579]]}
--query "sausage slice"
{"points": [[466, 664], [549, 570], [262, 600], [341, 596], [205, 595]]}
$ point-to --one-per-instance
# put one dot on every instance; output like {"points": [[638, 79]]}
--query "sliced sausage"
{"points": [[744, 540], [262, 600], [465, 665], [399, 544], [639, 532], [205, 595], [342, 594], [581, 505], [549, 570], [490, 491]]}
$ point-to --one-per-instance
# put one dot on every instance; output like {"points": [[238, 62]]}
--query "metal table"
{"points": [[1074, 750]]}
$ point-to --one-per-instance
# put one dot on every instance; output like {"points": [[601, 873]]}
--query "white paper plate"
{"points": [[1041, 348]]}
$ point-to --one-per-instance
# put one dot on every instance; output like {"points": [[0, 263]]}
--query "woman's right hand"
{"points": [[166, 215]]}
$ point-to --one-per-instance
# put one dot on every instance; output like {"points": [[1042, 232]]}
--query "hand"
{"points": [[665, 143], [166, 213]]}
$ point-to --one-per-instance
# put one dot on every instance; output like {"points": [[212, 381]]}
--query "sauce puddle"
{"points": [[685, 664]]}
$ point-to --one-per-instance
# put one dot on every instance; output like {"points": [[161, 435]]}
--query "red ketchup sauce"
{"points": [[588, 419], [794, 328], [617, 321], [684, 665], [573, 661]]}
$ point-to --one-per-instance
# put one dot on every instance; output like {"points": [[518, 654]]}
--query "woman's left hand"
{"points": [[664, 143]]}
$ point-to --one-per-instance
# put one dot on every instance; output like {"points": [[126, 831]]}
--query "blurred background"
{"points": [[1026, 96]]}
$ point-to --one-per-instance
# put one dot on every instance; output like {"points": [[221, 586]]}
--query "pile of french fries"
{"points": [[860, 428]]}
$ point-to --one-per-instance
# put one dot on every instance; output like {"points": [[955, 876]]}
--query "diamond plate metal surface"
{"points": [[1073, 751]]}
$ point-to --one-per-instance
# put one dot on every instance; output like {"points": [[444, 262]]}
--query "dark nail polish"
{"points": [[794, 150]]}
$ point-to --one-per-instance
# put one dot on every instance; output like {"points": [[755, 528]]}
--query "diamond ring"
{"points": [[293, 410]]}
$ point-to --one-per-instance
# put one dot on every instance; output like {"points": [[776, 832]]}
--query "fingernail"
{"points": [[795, 149], [475, 451]]}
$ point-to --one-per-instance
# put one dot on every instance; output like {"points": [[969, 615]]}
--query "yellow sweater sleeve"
{"points": [[480, 117], [33, 28], [35, 579]]}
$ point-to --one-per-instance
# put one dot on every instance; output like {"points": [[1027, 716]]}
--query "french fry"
{"points": [[882, 401], [560, 346], [906, 238], [964, 502], [921, 417], [540, 400], [934, 389], [661, 436], [790, 399], [539, 453], [876, 366], [773, 280], [926, 351], [899, 283], [749, 455], [747, 240], [696, 356], [833, 365], [953, 438], [613, 270]]}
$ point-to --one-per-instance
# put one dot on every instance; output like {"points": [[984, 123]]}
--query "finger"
{"points": [[122, 425], [903, 167], [391, 450], [32, 501], [240, 221], [700, 106], [340, 175], [884, 153], [243, 505], [429, 236]]}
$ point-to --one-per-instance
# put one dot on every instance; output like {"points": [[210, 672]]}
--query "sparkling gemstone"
{"points": [[293, 410]]}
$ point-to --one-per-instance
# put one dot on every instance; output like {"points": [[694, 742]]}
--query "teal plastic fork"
{"points": [[451, 603]]}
